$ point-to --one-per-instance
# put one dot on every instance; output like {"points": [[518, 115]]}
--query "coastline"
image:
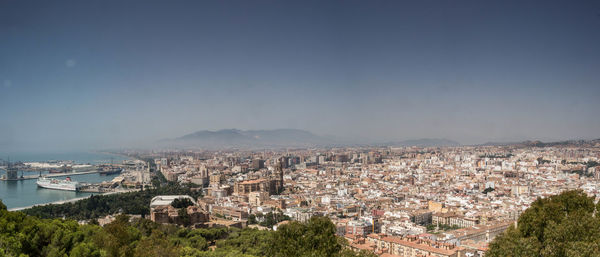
{"points": [[22, 194], [70, 200], [125, 156]]}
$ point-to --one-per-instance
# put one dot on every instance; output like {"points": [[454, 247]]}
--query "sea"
{"points": [[24, 193]]}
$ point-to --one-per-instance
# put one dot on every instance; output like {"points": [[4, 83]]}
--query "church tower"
{"points": [[279, 169]]}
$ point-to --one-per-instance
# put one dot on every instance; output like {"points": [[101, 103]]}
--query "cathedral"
{"points": [[272, 183]]}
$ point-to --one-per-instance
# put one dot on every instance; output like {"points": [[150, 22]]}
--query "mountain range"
{"points": [[277, 138], [425, 142], [538, 143]]}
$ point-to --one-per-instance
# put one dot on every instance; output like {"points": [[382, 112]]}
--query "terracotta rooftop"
{"points": [[253, 181]]}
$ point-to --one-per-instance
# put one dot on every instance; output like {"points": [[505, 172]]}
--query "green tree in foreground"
{"points": [[23, 235], [98, 206], [561, 225]]}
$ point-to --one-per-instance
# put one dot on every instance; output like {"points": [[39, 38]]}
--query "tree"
{"points": [[561, 225], [513, 244], [22, 235], [181, 203], [252, 219], [315, 238], [156, 245], [85, 250], [590, 164], [119, 237], [184, 218], [487, 190], [247, 241]]}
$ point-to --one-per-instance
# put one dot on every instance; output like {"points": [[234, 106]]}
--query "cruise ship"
{"points": [[58, 184]]}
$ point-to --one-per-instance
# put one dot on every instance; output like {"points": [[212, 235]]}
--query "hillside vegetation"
{"points": [[23, 235], [564, 225]]}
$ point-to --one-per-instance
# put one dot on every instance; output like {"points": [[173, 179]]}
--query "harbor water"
{"points": [[22, 193]]}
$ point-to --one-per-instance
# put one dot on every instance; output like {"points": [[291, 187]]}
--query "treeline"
{"points": [[442, 227], [23, 235], [101, 205], [587, 164], [580, 172], [267, 220], [564, 225], [497, 156]]}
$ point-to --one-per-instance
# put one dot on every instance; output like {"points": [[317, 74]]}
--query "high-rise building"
{"points": [[258, 164]]}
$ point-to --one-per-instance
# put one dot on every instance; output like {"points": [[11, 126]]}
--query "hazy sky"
{"points": [[112, 73]]}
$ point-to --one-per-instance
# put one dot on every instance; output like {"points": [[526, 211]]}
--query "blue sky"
{"points": [[94, 74]]}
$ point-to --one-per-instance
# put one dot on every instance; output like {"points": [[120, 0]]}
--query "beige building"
{"points": [[413, 246], [480, 233], [257, 198], [453, 219]]}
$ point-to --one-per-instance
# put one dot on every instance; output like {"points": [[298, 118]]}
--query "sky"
{"points": [[96, 74]]}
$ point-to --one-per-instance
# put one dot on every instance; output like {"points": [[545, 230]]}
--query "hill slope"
{"points": [[252, 139]]}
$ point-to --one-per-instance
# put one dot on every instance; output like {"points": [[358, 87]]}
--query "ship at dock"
{"points": [[61, 169], [58, 184], [109, 170]]}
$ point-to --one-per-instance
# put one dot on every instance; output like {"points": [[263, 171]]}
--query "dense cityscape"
{"points": [[442, 201]]}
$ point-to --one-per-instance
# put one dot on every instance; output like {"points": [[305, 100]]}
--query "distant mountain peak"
{"points": [[280, 138], [539, 143], [248, 139]]}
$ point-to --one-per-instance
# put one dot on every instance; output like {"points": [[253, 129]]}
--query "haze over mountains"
{"points": [[279, 138], [235, 138], [424, 142]]}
